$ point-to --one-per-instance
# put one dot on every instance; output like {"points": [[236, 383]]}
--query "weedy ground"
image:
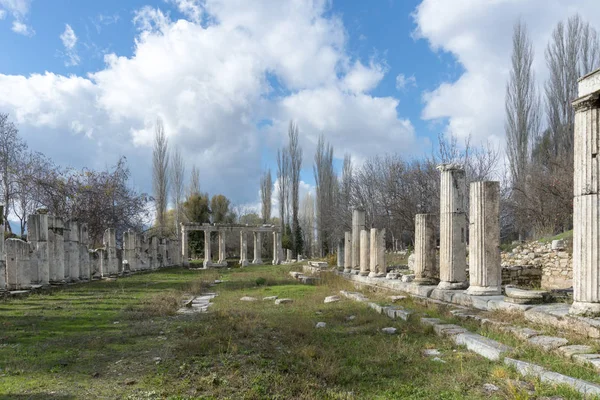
{"points": [[123, 339]]}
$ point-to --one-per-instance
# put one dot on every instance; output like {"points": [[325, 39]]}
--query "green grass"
{"points": [[568, 235], [122, 339]]}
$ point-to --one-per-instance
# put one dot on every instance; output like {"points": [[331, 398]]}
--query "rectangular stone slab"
{"points": [[589, 83], [483, 346]]}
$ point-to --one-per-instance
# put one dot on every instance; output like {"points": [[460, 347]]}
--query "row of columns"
{"points": [[364, 250], [222, 257]]}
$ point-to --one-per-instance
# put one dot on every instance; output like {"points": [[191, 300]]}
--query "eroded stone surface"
{"points": [[332, 299], [283, 301], [547, 342], [248, 298], [570, 351], [389, 330]]}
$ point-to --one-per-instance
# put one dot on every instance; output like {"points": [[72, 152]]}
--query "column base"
{"points": [[244, 263], [363, 273], [355, 271], [453, 285], [583, 308], [372, 274], [347, 270], [424, 281], [207, 264], [483, 291], [257, 261]]}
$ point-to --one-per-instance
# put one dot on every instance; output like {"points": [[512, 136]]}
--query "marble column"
{"points": [[288, 255], [276, 252], [154, 252], [222, 249], [358, 224], [453, 227], [485, 272], [586, 199], [85, 266], [426, 272], [185, 255], [72, 251], [244, 249], [56, 250], [207, 249], [2, 263], [129, 250], [373, 242], [381, 261], [257, 248], [37, 235], [347, 252], [364, 252], [66, 250]]}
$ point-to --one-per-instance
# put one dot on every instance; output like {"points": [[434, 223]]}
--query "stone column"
{"points": [[222, 252], [381, 262], [364, 253], [129, 251], [257, 248], [154, 251], [162, 251], [373, 242], [244, 249], [110, 246], [340, 255], [485, 272], [72, 251], [37, 235], [276, 241], [453, 227], [3, 286], [184, 247], [347, 252], [207, 249], [586, 200], [67, 250], [85, 267], [358, 224], [56, 250], [426, 272], [288, 255], [18, 265]]}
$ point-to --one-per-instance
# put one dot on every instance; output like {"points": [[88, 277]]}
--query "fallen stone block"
{"points": [[331, 299], [248, 298], [378, 309], [396, 298], [588, 359], [431, 352], [408, 278], [389, 330], [570, 351], [320, 325], [283, 301], [521, 296], [269, 298], [448, 329], [522, 333], [547, 342], [431, 321], [483, 346]]}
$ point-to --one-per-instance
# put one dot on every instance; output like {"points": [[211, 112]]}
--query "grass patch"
{"points": [[122, 339]]}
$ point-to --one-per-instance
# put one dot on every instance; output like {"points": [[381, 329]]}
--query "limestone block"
{"points": [[18, 266], [547, 342], [426, 271], [481, 345], [347, 252], [364, 253], [358, 225]]}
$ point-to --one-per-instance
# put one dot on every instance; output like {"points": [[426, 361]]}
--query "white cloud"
{"points": [[192, 9], [212, 85], [2, 14], [22, 29], [69, 40], [478, 34], [402, 82]]}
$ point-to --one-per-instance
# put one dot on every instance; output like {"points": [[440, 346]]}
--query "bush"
{"points": [[260, 281]]}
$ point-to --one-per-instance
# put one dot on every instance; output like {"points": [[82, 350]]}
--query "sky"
{"points": [[85, 81]]}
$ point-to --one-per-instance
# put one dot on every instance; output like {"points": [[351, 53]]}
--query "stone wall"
{"points": [[536, 264]]}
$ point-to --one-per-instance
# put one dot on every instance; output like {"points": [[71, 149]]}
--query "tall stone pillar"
{"points": [[244, 248], [373, 242], [37, 235], [110, 246], [586, 200], [485, 272], [207, 249], [56, 249], [364, 253], [2, 265], [154, 252], [85, 266], [358, 224], [381, 266], [72, 251], [67, 250], [184, 247], [257, 248], [340, 255], [426, 272], [18, 265], [347, 252], [288, 255], [129, 251], [276, 252], [453, 227], [222, 250]]}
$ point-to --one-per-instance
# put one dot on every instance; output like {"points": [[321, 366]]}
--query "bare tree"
{"points": [[295, 155], [194, 187], [177, 177], [283, 177], [522, 103], [307, 222], [160, 175], [326, 182], [12, 148], [266, 191]]}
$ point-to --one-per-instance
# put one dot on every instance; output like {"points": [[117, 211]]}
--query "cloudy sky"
{"points": [[86, 80]]}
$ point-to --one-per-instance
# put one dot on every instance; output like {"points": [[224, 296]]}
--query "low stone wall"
{"points": [[536, 264]]}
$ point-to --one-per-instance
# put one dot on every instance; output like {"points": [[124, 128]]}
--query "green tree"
{"points": [[195, 208], [219, 205]]}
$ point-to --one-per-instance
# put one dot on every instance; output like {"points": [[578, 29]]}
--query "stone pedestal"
{"points": [[364, 253], [347, 252], [37, 235], [426, 272], [110, 246], [340, 255], [129, 251], [18, 265], [244, 249], [72, 251], [85, 267], [257, 248], [222, 250], [377, 267], [288, 255], [485, 272], [358, 225], [56, 250], [586, 190], [453, 227]]}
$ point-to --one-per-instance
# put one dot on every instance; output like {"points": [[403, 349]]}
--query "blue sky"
{"points": [[85, 80]]}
